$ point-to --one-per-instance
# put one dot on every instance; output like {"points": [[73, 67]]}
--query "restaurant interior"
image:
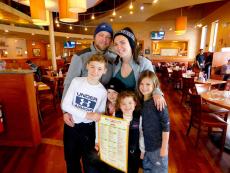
{"points": [[169, 34]]}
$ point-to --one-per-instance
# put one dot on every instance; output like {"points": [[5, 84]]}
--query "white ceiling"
{"points": [[150, 9]]}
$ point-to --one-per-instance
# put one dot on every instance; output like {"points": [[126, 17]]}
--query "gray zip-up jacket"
{"points": [[78, 64], [144, 64]]}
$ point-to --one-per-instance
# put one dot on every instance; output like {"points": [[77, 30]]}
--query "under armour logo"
{"points": [[85, 102]]}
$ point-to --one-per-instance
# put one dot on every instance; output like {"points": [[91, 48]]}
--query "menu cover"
{"points": [[113, 141]]}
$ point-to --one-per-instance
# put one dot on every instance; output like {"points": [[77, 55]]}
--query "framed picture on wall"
{"points": [[36, 52], [147, 51], [3, 53], [18, 51]]}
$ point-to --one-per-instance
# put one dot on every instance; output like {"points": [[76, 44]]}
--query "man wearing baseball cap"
{"points": [[102, 39]]}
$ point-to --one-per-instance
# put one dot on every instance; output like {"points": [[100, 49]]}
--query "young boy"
{"points": [[84, 100]]}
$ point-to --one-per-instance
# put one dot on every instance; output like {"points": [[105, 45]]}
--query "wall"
{"points": [[37, 46], [15, 47], [142, 31], [223, 37]]}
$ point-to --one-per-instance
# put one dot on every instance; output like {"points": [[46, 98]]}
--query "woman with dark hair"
{"points": [[129, 64]]}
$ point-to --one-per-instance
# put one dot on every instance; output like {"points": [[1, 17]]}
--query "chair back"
{"points": [[188, 83], [202, 88], [177, 74], [196, 108]]}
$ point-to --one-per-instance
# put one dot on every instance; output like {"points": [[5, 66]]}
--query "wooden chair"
{"points": [[201, 120], [165, 74], [44, 96], [187, 84], [210, 108], [177, 78]]}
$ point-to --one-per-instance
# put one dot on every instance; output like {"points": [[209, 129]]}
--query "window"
{"points": [[203, 37], [213, 36]]}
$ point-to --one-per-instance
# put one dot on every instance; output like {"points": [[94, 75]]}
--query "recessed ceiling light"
{"points": [[142, 7], [155, 1]]}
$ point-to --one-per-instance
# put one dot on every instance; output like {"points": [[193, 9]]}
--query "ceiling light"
{"points": [[114, 13], [142, 7], [199, 25], [6, 30], [181, 24], [64, 14], [77, 6], [131, 5], [92, 17], [120, 17], [155, 1], [39, 15], [56, 20], [131, 12]]}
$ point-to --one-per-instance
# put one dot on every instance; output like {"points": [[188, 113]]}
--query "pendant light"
{"points": [[181, 24], [77, 6], [64, 14], [38, 12]]}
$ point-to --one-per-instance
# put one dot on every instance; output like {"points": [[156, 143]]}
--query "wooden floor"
{"points": [[183, 156]]}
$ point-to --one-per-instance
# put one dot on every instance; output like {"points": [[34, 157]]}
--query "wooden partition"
{"points": [[17, 95]]}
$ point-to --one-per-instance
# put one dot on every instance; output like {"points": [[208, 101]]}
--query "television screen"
{"points": [[69, 44], [157, 35]]}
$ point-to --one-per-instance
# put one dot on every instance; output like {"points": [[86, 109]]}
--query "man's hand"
{"points": [[68, 119], [159, 101], [96, 147], [93, 116]]}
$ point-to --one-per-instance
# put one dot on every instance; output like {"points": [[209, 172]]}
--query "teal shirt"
{"points": [[129, 81]]}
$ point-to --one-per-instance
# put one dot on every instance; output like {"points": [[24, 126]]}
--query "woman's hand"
{"points": [[159, 101], [163, 152], [68, 119], [142, 155]]}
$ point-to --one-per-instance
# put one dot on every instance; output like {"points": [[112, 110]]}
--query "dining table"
{"points": [[211, 81], [218, 98]]}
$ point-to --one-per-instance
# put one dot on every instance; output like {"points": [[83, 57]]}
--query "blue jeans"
{"points": [[154, 163]]}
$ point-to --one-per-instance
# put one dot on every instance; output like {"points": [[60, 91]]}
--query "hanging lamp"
{"points": [[181, 24], [77, 6], [64, 14], [38, 12]]}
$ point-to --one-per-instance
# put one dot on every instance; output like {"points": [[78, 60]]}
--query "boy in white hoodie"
{"points": [[85, 100]]}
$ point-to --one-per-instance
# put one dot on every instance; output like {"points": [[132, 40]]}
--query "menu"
{"points": [[113, 141]]}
